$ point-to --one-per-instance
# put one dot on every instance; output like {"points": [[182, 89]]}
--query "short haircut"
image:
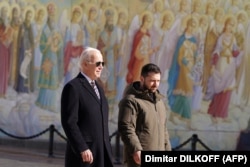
{"points": [[148, 68], [86, 55]]}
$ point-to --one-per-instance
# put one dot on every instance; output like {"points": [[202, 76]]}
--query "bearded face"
{"points": [[109, 27]]}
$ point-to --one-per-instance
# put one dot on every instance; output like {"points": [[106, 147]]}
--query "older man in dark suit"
{"points": [[84, 115]]}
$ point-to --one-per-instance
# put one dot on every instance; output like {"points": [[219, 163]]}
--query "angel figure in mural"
{"points": [[171, 5], [214, 30], [162, 60], [196, 8], [180, 80], [199, 62], [183, 11], [100, 15], [39, 23], [121, 58], [226, 58], [141, 48], [25, 78], [240, 36], [176, 29], [133, 27], [51, 46], [156, 37], [54, 23], [107, 42], [92, 29], [74, 41], [209, 11], [233, 6], [6, 34], [84, 19], [15, 23], [218, 3]]}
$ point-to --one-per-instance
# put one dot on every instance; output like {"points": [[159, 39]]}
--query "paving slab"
{"points": [[23, 157]]}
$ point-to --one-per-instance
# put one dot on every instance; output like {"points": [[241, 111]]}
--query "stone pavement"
{"points": [[23, 157]]}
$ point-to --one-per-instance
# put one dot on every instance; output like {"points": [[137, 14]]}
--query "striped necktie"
{"points": [[95, 88]]}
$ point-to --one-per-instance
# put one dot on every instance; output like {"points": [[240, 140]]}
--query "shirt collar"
{"points": [[89, 80]]}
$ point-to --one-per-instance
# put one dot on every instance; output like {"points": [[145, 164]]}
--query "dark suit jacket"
{"points": [[85, 121]]}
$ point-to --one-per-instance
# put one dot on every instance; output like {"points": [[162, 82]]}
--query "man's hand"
{"points": [[87, 156], [137, 157]]}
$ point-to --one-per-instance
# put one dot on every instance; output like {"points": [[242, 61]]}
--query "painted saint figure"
{"points": [[180, 80], [106, 43], [37, 29], [25, 79], [5, 46], [141, 48], [15, 24], [225, 61], [74, 45], [51, 48]]}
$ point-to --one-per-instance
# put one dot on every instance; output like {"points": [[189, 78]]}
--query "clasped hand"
{"points": [[87, 156]]}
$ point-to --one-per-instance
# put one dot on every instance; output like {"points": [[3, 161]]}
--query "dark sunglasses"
{"points": [[97, 64]]}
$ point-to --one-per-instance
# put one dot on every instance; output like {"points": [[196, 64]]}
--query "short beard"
{"points": [[109, 27], [145, 88]]}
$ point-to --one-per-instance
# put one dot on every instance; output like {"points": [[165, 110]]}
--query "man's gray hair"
{"points": [[86, 55]]}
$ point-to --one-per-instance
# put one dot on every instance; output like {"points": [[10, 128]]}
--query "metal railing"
{"points": [[193, 140], [51, 129]]}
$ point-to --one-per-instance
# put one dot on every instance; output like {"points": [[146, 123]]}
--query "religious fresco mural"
{"points": [[201, 46]]}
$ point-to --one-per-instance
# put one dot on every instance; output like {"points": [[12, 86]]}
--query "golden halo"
{"points": [[91, 6], [79, 9], [124, 11], [51, 7], [186, 19], [29, 8], [111, 9], [13, 6], [168, 13], [219, 10], [148, 13], [42, 8], [5, 4], [243, 13], [203, 18], [155, 2], [230, 17]]}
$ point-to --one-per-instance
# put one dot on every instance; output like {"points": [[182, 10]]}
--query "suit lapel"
{"points": [[87, 86]]}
